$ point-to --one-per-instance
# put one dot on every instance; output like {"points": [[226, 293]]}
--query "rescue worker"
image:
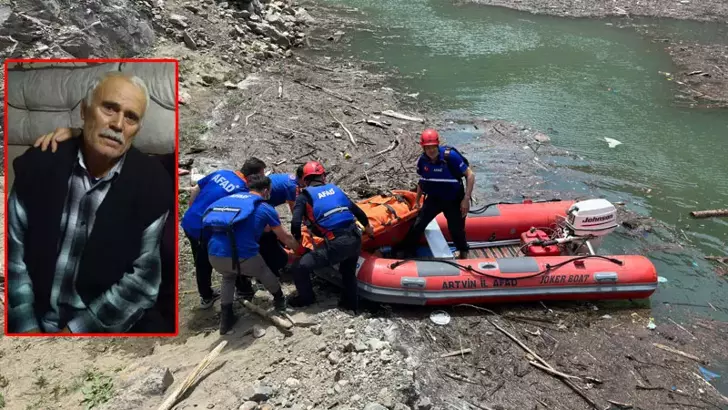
{"points": [[332, 215], [208, 190], [284, 189], [441, 170], [232, 227]]}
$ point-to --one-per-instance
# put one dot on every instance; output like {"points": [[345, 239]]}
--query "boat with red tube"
{"points": [[519, 252]]}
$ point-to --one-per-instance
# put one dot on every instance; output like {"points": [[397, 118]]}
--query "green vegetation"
{"points": [[98, 389]]}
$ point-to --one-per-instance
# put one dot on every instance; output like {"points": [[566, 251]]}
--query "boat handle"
{"points": [[413, 283], [488, 265], [605, 276]]}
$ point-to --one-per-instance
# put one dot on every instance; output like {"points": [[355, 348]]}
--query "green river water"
{"points": [[585, 80]]}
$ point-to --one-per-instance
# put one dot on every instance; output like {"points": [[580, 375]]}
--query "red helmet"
{"points": [[313, 168], [429, 137]]}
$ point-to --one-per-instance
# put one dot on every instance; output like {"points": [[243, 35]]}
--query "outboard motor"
{"points": [[587, 223]]}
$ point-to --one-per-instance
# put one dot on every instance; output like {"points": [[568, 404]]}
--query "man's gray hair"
{"points": [[134, 80]]}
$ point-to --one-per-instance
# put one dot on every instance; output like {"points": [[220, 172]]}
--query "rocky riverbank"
{"points": [[702, 74]]}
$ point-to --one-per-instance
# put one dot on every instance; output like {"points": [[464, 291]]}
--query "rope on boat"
{"points": [[469, 268], [485, 207]]}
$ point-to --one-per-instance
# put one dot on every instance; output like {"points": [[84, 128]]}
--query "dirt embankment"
{"points": [[287, 111], [703, 67]]}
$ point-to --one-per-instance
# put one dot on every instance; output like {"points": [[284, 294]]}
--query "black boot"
{"points": [[227, 318], [279, 301], [298, 301], [348, 305]]}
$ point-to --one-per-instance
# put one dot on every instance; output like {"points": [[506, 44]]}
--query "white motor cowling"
{"points": [[596, 217]]}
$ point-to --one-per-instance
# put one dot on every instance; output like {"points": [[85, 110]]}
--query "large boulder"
{"points": [[93, 28]]}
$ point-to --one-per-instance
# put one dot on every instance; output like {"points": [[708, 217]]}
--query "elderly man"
{"points": [[85, 223]]}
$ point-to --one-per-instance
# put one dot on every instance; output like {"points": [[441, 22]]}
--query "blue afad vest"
{"points": [[225, 213], [439, 178], [221, 183], [329, 209]]}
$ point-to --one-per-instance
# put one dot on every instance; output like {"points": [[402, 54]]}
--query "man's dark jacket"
{"points": [[140, 194]]}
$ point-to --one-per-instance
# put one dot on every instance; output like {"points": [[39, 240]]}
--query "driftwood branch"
{"points": [[683, 329], [456, 353], [292, 131], [325, 90], [523, 346], [677, 352], [721, 259], [459, 378], [172, 399], [553, 372], [390, 113], [479, 406], [303, 155], [550, 368], [711, 213], [320, 67], [391, 146], [280, 323], [351, 136], [643, 387], [624, 406], [376, 124]]}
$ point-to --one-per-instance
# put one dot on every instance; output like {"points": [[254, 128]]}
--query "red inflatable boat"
{"points": [[519, 252]]}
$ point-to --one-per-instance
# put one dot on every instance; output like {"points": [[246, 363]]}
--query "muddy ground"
{"points": [[388, 357], [703, 68]]}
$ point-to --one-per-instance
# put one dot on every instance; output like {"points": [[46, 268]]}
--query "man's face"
{"points": [[432, 151], [112, 120]]}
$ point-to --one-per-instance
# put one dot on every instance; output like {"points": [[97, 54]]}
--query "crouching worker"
{"points": [[234, 225], [332, 216]]}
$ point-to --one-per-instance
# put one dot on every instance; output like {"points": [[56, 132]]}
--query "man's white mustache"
{"points": [[116, 136]]}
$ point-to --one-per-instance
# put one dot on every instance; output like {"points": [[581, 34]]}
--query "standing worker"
{"points": [[209, 189], [441, 169], [234, 225], [332, 215]]}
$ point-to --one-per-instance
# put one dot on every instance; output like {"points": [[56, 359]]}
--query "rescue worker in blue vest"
{"points": [[234, 225], [332, 216], [444, 192], [284, 189], [208, 190]]}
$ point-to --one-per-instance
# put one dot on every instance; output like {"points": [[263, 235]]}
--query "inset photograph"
{"points": [[91, 203]]}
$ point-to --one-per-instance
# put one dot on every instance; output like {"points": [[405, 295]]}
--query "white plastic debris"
{"points": [[612, 142], [440, 317]]}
